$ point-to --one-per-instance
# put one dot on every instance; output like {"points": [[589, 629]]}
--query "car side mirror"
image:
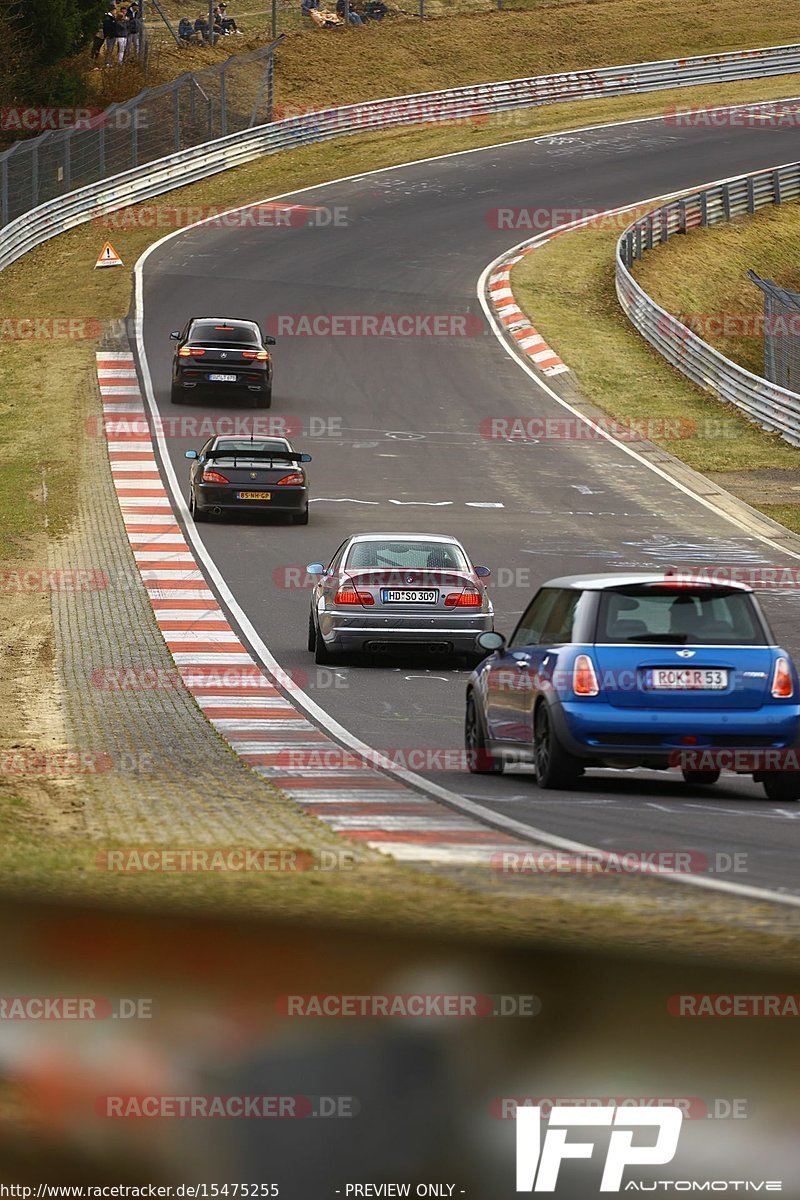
{"points": [[190, 454], [316, 569], [482, 572], [305, 458], [175, 335], [270, 341], [491, 640]]}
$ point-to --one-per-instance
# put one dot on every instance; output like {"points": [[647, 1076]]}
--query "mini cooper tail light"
{"points": [[351, 596], [295, 479], [782, 686], [213, 477], [584, 677], [462, 600]]}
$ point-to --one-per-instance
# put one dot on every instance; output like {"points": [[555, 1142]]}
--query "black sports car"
{"points": [[222, 356], [253, 474]]}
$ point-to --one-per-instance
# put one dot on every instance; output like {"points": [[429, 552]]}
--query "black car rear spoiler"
{"points": [[256, 452]]}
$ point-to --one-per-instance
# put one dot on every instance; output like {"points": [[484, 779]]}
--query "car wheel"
{"points": [[781, 786], [322, 655], [197, 514], [301, 518], [176, 395], [553, 765], [479, 759], [700, 778]]}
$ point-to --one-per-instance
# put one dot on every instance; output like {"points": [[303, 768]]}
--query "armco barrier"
{"points": [[103, 195], [772, 407]]}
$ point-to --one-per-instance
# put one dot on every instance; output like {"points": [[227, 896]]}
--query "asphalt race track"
{"points": [[394, 425]]}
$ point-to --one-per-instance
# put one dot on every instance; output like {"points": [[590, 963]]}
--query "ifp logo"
{"points": [[538, 1163]]}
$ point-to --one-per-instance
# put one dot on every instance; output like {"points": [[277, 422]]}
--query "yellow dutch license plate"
{"points": [[255, 495]]}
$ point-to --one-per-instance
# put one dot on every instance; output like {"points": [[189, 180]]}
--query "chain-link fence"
{"points": [[194, 108], [781, 333]]}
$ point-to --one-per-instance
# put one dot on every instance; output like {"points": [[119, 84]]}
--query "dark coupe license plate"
{"points": [[409, 596], [254, 495], [222, 378]]}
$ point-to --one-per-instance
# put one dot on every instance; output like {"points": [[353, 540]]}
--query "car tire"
{"points": [[176, 395], [554, 767], [322, 655], [257, 401], [312, 633], [479, 759], [197, 514], [781, 786], [700, 778]]}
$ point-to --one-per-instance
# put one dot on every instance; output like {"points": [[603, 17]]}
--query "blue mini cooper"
{"points": [[641, 670]]}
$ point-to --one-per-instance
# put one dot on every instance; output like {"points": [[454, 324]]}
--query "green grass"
{"points": [[567, 288]]}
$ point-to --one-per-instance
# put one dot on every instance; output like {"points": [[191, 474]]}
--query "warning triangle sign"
{"points": [[108, 257]]}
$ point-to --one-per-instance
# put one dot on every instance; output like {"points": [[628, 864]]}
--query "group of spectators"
{"points": [[198, 31], [357, 12], [120, 34]]}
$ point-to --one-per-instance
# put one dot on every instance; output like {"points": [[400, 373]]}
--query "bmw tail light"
{"points": [[213, 477], [296, 479], [351, 596], [782, 686], [462, 600], [584, 677]]}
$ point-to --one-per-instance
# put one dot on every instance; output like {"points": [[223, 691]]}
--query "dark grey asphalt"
{"points": [[398, 424]]}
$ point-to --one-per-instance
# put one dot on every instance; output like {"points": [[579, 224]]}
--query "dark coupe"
{"points": [[222, 357], [248, 474]]}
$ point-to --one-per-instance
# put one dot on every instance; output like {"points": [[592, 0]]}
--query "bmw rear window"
{"points": [[415, 555], [679, 616], [223, 333]]}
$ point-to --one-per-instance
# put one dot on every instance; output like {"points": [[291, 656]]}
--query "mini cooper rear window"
{"points": [[679, 615]]}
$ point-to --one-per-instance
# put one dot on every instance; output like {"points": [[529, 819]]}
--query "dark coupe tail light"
{"points": [[261, 355], [295, 479], [191, 352], [213, 477]]}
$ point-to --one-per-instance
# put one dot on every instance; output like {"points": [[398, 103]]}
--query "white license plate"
{"points": [[222, 378], [686, 679], [408, 596]]}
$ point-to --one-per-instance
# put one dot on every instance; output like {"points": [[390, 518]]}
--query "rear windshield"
{"points": [[679, 616], [414, 555], [248, 447], [218, 332]]}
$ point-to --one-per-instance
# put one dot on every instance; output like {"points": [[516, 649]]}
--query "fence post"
{"points": [[682, 216], [4, 190], [134, 143], [726, 200], [751, 195], [704, 208], [776, 186], [101, 150], [664, 225], [176, 114], [35, 174], [223, 103], [67, 162]]}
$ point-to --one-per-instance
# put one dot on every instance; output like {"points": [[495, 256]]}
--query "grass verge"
{"points": [[42, 403], [567, 287]]}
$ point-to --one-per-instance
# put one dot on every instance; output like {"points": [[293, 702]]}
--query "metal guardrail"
{"points": [[772, 407], [66, 208]]}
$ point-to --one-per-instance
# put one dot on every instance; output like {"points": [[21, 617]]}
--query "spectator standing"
{"points": [[109, 32], [134, 21], [120, 35]]}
